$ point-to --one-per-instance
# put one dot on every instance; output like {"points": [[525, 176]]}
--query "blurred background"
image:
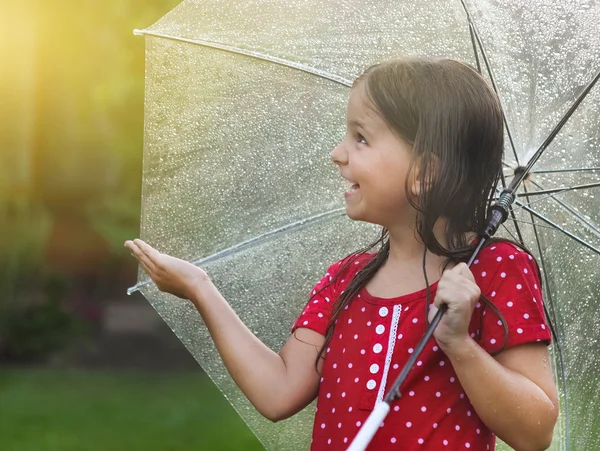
{"points": [[82, 365]]}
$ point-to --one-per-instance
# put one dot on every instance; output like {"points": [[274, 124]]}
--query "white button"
{"points": [[383, 311], [374, 368], [371, 384], [380, 329], [377, 348]]}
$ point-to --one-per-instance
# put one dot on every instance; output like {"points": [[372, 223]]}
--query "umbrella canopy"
{"points": [[245, 101]]}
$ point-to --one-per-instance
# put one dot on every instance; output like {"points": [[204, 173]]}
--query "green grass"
{"points": [[116, 411]]}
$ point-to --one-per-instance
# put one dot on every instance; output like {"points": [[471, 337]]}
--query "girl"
{"points": [[422, 155]]}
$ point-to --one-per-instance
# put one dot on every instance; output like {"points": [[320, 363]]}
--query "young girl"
{"points": [[422, 155]]}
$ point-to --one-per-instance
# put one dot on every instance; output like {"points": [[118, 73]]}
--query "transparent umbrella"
{"points": [[244, 102]]}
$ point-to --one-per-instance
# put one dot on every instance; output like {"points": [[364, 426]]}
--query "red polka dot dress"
{"points": [[374, 337]]}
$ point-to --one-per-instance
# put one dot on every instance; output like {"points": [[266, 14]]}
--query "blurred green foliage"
{"points": [[71, 137]]}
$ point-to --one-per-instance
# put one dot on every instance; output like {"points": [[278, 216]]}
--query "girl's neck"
{"points": [[407, 248]]}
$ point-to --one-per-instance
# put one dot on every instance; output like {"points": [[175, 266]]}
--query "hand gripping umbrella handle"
{"points": [[368, 430]]}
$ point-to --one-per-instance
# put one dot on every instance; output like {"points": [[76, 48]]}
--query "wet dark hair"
{"points": [[453, 120]]}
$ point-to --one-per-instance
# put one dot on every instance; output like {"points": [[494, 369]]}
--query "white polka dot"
{"points": [[426, 378], [519, 330], [499, 259], [525, 270], [339, 425], [380, 329], [410, 350], [328, 395], [419, 363], [512, 257], [369, 323], [411, 393], [371, 384], [355, 336], [396, 408], [469, 413], [483, 274], [362, 309], [338, 380], [509, 303], [530, 257], [543, 326], [358, 423], [305, 323], [420, 441], [478, 305], [350, 321], [350, 365], [343, 394], [340, 336], [423, 409], [329, 441], [452, 379], [322, 425], [519, 286], [408, 424], [350, 409], [356, 379], [316, 301], [499, 323], [478, 431], [435, 425], [442, 363], [493, 341], [467, 445], [493, 247], [345, 439], [333, 410], [526, 316], [377, 348], [503, 275], [493, 294], [462, 396], [438, 394], [475, 262], [374, 368], [396, 366], [415, 320], [399, 336], [435, 348], [383, 311], [362, 351], [535, 286], [320, 315], [457, 427], [393, 440], [448, 410], [335, 365], [445, 442]]}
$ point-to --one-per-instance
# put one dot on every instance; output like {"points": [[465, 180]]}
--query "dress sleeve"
{"points": [[318, 309], [515, 290]]}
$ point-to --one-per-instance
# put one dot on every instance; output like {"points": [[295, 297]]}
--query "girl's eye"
{"points": [[361, 139]]}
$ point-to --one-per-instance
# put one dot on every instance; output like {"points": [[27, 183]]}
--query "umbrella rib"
{"points": [[492, 78], [260, 239], [571, 210], [556, 171], [557, 227], [253, 54]]}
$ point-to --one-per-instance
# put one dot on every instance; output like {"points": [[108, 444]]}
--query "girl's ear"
{"points": [[416, 182]]}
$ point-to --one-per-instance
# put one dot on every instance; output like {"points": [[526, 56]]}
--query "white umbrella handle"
{"points": [[368, 430]]}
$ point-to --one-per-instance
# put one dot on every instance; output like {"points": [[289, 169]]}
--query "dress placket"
{"points": [[382, 341]]}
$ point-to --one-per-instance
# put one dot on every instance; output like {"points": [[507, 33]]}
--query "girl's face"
{"points": [[375, 162]]}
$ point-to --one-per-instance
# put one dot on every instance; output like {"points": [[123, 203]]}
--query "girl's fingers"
{"points": [[151, 254], [141, 257]]}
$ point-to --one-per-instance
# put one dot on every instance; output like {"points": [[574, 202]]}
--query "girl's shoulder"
{"points": [[351, 264], [503, 250]]}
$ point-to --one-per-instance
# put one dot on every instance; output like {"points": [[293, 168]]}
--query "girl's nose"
{"points": [[338, 154]]}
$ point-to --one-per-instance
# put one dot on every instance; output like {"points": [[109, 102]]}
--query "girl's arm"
{"points": [[278, 385], [513, 394]]}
